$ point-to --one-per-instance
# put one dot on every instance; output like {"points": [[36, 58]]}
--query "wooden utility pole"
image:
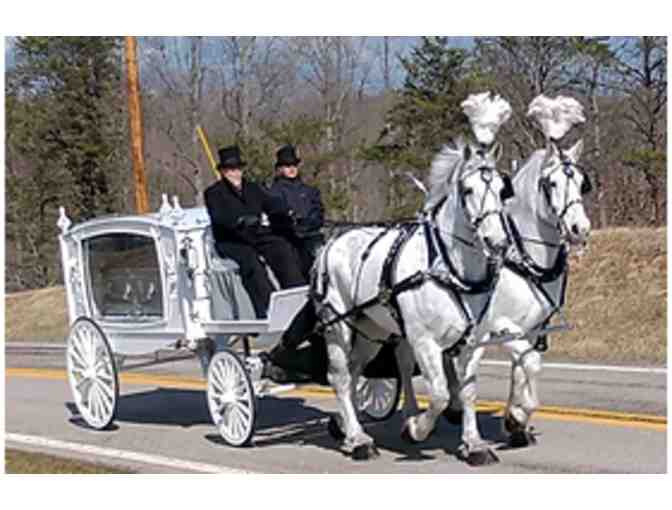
{"points": [[137, 134]]}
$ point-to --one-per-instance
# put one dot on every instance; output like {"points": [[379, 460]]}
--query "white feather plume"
{"points": [[556, 116], [486, 112]]}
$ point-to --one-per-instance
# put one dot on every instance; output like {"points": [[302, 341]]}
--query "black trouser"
{"points": [[283, 259], [252, 273], [307, 248], [279, 255]]}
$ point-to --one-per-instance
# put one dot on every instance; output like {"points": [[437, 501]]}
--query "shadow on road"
{"points": [[288, 420]]}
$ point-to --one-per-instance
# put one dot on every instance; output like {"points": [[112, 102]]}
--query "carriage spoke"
{"points": [[94, 403], [92, 374], [226, 413], [230, 398], [241, 389], [243, 410], [107, 390], [102, 362], [239, 429], [219, 381], [84, 382], [105, 398], [107, 377], [87, 345], [76, 357]]}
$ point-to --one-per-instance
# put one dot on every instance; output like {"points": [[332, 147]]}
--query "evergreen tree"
{"points": [[70, 91], [66, 145], [426, 115]]}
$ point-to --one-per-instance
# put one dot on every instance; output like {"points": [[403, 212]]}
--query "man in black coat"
{"points": [[246, 221], [304, 203]]}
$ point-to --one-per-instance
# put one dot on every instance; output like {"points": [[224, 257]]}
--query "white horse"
{"points": [[545, 215], [374, 283]]}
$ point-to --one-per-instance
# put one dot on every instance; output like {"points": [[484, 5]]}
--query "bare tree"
{"points": [[255, 76], [596, 61], [338, 71], [642, 70], [177, 70], [522, 68]]}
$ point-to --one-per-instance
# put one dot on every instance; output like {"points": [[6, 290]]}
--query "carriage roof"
{"points": [[174, 218]]}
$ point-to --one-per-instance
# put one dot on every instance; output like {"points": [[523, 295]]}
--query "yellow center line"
{"points": [[593, 416]]}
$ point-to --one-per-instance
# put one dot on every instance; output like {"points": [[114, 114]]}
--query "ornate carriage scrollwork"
{"points": [[76, 281]]}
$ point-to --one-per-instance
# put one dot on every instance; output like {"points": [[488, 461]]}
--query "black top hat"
{"points": [[229, 157], [286, 156]]}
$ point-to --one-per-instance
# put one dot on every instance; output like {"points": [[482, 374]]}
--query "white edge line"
{"points": [[581, 366], [127, 455]]}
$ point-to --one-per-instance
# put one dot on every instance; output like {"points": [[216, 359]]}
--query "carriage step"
{"points": [[266, 388]]}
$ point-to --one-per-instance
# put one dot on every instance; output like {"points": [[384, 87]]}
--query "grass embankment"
{"points": [[616, 299], [21, 462]]}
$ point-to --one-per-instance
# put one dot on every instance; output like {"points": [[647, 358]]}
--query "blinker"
{"points": [[507, 191], [586, 185]]}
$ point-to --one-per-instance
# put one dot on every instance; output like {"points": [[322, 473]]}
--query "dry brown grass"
{"points": [[36, 316], [616, 299], [21, 462]]}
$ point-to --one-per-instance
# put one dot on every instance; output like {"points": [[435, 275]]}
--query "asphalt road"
{"points": [[584, 430]]}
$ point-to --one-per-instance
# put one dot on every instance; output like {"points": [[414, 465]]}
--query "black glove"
{"points": [[281, 221], [248, 221]]}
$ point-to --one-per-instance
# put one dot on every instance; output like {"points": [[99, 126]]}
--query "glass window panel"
{"points": [[124, 275]]}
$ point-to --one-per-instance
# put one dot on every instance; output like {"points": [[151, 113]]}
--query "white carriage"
{"points": [[152, 285]]}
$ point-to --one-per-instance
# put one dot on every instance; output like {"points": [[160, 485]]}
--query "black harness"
{"points": [[540, 277], [389, 291]]}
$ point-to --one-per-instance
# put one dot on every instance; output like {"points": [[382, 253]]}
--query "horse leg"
{"points": [[473, 449], [429, 356], [455, 408], [523, 396], [339, 346], [406, 365], [363, 352]]}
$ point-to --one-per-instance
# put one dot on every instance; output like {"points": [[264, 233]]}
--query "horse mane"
{"points": [[441, 172], [525, 179]]}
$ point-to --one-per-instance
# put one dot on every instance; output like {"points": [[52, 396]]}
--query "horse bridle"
{"points": [[487, 175], [545, 185]]}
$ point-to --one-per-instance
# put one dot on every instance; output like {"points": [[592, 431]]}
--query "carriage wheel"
{"points": [[92, 373], [378, 398], [231, 398]]}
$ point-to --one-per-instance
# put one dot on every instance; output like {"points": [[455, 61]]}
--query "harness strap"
{"points": [[387, 289], [528, 269]]}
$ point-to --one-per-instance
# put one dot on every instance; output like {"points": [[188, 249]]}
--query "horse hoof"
{"points": [[478, 457], [484, 457], [365, 452], [521, 439], [453, 416], [406, 435], [510, 425], [334, 430]]}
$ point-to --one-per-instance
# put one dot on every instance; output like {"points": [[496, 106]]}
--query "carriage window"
{"points": [[124, 275]]}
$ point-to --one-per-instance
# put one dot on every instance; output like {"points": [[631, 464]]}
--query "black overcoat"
{"points": [[305, 202], [226, 206]]}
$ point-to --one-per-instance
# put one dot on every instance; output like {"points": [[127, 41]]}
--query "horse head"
{"points": [[563, 185], [482, 190]]}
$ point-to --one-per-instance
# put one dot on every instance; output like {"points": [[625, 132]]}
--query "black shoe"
{"points": [[279, 375]]}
